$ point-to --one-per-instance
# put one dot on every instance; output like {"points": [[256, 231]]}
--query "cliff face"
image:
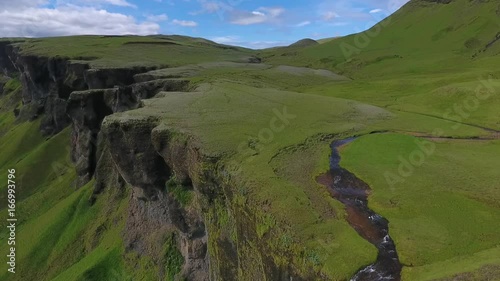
{"points": [[178, 191]]}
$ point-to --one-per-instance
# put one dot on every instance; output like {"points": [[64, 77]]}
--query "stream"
{"points": [[353, 193]]}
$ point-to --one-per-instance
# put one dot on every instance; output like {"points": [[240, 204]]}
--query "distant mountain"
{"points": [[305, 43]]}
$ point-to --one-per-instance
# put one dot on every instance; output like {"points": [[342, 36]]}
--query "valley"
{"points": [[177, 158]]}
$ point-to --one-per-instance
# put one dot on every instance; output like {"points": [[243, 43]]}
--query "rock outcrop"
{"points": [[181, 198], [6, 64], [49, 81], [87, 110], [63, 92], [134, 143]]}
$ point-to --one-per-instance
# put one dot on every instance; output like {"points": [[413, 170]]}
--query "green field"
{"points": [[422, 95]]}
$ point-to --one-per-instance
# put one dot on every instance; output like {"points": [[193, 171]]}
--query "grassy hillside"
{"points": [[407, 64], [426, 71], [443, 215], [277, 172], [428, 74], [452, 38], [57, 226], [115, 51]]}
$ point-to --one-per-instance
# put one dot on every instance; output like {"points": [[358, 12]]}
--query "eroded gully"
{"points": [[353, 193]]}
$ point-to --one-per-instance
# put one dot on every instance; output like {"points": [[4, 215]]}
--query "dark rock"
{"points": [[109, 78], [6, 63], [87, 110], [55, 118], [146, 90], [254, 60], [106, 174], [175, 152], [129, 141], [195, 253]]}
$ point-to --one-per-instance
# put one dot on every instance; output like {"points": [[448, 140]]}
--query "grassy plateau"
{"points": [[421, 96]]}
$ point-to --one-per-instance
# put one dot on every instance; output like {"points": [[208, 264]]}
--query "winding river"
{"points": [[353, 193]]}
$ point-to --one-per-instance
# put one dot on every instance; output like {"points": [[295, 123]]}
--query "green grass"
{"points": [[56, 230], [181, 193], [110, 52], [173, 258], [443, 212], [231, 115], [405, 45], [233, 108], [12, 85], [444, 216]]}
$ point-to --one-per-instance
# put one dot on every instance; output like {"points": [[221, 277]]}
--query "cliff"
{"points": [[178, 189]]}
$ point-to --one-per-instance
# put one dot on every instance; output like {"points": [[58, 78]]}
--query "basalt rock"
{"points": [[146, 90], [55, 118], [154, 212], [173, 147], [6, 64], [111, 77], [129, 140], [146, 153], [48, 82], [87, 109], [46, 85]]}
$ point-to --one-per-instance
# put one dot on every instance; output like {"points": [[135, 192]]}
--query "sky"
{"points": [[250, 23]]}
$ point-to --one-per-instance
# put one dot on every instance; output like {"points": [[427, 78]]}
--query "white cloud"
{"points": [[157, 18], [257, 13], [261, 15], [304, 23], [210, 7], [340, 23], [330, 15], [69, 20], [121, 3], [7, 4], [356, 10], [374, 11], [226, 40], [186, 23]]}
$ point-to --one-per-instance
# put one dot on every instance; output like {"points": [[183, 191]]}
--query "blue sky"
{"points": [[250, 23]]}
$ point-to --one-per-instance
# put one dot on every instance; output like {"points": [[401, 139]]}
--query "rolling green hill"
{"points": [[176, 158], [116, 51], [423, 36]]}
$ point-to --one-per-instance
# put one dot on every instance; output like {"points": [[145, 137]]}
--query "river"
{"points": [[353, 193]]}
